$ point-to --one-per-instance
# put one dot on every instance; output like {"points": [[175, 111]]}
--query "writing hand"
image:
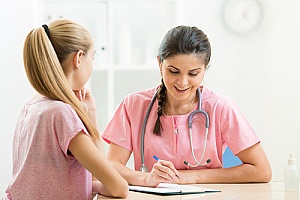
{"points": [[162, 172], [176, 173]]}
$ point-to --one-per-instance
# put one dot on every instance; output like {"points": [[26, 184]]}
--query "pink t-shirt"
{"points": [[228, 126], [42, 167]]}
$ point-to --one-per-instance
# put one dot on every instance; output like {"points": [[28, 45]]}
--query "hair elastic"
{"points": [[46, 30]]}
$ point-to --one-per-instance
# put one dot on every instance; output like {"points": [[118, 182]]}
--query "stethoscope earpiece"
{"points": [[198, 164]]}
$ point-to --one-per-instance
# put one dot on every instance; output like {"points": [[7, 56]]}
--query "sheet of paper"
{"points": [[165, 188]]}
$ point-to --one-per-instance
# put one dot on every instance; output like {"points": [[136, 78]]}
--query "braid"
{"points": [[161, 104]]}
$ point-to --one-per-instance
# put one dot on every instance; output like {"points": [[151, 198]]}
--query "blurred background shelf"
{"points": [[127, 34]]}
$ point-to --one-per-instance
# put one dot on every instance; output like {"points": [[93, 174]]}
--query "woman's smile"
{"points": [[181, 90]]}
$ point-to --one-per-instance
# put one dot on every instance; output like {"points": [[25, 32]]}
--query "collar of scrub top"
{"points": [[143, 167]]}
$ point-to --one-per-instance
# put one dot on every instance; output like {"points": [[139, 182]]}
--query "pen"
{"points": [[157, 159]]}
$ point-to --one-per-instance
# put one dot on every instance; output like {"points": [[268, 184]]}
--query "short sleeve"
{"points": [[119, 130], [236, 130], [67, 125]]}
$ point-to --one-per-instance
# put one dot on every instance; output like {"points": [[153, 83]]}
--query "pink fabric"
{"points": [[228, 126], [42, 168]]}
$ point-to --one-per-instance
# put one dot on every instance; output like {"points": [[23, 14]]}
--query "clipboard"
{"points": [[171, 189]]}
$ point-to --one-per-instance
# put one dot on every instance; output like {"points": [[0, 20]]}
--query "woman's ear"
{"points": [[77, 60], [159, 63]]}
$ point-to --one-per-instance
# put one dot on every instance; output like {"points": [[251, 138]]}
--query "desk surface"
{"points": [[265, 191]]}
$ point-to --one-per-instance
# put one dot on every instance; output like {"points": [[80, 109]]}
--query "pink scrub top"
{"points": [[228, 126]]}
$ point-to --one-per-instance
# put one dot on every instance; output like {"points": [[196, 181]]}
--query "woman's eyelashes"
{"points": [[174, 72], [193, 73], [190, 73]]}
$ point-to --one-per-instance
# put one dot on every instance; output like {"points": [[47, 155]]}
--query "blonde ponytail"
{"points": [[43, 56]]}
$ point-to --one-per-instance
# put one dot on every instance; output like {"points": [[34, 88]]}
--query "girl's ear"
{"points": [[78, 59]]}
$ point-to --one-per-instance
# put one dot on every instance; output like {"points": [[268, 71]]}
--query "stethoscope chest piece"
{"points": [[143, 168]]}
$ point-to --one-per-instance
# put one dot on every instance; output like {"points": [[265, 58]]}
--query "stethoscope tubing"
{"points": [[193, 152], [143, 168]]}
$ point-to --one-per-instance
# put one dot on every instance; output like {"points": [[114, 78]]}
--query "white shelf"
{"points": [[135, 29], [127, 34], [92, 14], [127, 67]]}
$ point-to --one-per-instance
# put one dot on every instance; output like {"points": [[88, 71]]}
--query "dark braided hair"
{"points": [[180, 40], [162, 90]]}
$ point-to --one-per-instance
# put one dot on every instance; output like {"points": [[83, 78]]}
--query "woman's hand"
{"points": [[162, 171]]}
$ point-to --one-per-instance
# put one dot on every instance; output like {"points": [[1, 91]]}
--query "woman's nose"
{"points": [[182, 81]]}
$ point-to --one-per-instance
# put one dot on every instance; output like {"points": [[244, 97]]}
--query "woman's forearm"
{"points": [[131, 176], [244, 173]]}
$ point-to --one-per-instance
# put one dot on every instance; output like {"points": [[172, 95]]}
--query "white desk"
{"points": [[265, 191]]}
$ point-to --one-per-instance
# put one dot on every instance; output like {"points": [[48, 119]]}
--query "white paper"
{"points": [[166, 188]]}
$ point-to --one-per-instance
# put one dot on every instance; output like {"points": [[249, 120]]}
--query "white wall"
{"points": [[260, 71], [17, 17]]}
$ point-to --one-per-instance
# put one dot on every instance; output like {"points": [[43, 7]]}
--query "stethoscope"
{"points": [[143, 168]]}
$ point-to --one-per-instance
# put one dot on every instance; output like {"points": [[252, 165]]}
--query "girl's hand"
{"points": [[162, 172], [89, 104], [86, 98]]}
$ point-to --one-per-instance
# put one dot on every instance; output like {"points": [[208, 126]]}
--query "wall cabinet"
{"points": [[92, 14], [127, 34], [135, 29]]}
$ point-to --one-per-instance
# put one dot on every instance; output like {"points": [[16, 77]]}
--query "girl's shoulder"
{"points": [[50, 106]]}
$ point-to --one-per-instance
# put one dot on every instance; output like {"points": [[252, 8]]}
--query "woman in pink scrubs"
{"points": [[183, 59]]}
